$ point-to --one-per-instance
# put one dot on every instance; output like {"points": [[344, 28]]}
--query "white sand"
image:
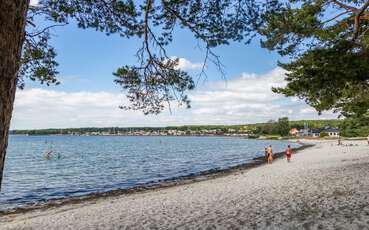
{"points": [[324, 187]]}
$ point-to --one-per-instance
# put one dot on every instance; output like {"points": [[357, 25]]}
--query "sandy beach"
{"points": [[324, 187]]}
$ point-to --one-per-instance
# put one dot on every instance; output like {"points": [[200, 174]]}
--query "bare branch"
{"points": [[146, 26], [344, 6], [45, 29], [335, 17], [216, 61]]}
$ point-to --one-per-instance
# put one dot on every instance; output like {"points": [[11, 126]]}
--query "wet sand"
{"points": [[324, 187]]}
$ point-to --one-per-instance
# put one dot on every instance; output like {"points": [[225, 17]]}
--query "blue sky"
{"points": [[88, 96], [88, 54]]}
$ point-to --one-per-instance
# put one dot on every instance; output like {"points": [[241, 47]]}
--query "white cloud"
{"points": [[185, 64], [40, 108], [249, 98], [34, 2], [245, 99]]}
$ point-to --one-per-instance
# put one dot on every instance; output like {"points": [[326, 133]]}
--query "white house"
{"points": [[332, 132]]}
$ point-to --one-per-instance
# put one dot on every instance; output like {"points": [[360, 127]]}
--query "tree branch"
{"points": [[335, 17], [357, 21], [216, 60], [45, 29], [344, 6]]}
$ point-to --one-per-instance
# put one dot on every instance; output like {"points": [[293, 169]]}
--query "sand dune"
{"points": [[324, 187]]}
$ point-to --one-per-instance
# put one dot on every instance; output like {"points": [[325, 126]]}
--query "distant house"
{"points": [[330, 131], [294, 132], [315, 132]]}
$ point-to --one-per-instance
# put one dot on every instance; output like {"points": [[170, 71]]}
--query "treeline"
{"points": [[282, 126], [116, 130], [279, 127], [112, 130], [355, 126]]}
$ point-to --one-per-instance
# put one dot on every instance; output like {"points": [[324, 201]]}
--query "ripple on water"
{"points": [[99, 164]]}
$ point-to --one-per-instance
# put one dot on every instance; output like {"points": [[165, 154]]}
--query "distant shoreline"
{"points": [[113, 135], [150, 186]]}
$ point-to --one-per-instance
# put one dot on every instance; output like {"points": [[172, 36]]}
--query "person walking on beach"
{"points": [[288, 153], [270, 154], [368, 139]]}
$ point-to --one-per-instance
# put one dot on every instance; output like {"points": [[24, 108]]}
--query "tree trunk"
{"points": [[13, 15]]}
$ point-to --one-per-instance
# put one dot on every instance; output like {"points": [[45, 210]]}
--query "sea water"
{"points": [[81, 165]]}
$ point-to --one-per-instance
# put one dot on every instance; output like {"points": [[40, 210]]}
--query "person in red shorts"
{"points": [[288, 153], [270, 154]]}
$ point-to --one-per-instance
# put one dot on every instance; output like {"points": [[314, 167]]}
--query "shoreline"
{"points": [[150, 186]]}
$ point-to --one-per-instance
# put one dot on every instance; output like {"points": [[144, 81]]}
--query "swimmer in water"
{"points": [[49, 155]]}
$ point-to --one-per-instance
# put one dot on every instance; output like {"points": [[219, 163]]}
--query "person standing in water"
{"points": [[266, 153], [288, 153], [270, 154]]}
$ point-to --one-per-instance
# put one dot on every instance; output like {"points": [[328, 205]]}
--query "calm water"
{"points": [[97, 164]]}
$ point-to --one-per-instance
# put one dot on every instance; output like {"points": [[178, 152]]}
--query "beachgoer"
{"points": [[48, 155], [368, 139], [289, 153], [266, 154], [270, 154], [339, 140]]}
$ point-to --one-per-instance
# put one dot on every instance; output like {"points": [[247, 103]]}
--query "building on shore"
{"points": [[294, 132], [326, 131], [307, 132]]}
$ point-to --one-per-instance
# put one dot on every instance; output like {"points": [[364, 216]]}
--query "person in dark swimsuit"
{"points": [[288, 153], [266, 154]]}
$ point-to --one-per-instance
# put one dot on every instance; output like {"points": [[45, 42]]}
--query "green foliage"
{"points": [[38, 61], [355, 126], [283, 126], [333, 78], [328, 48], [279, 128], [158, 84], [323, 134]]}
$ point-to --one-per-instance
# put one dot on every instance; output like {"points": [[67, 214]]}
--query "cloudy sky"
{"points": [[88, 96]]}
